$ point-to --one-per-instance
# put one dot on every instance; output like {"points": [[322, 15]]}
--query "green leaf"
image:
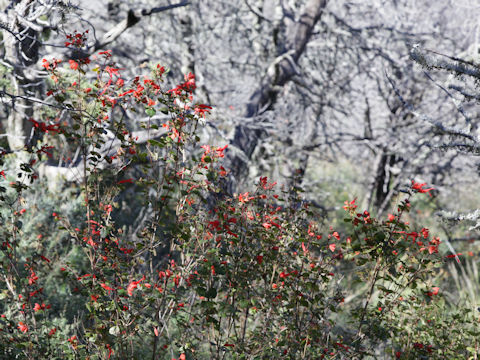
{"points": [[379, 237], [150, 111], [211, 293], [243, 303], [202, 291], [156, 143], [384, 289]]}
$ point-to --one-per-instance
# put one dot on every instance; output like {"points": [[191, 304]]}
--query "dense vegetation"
{"points": [[128, 233]]}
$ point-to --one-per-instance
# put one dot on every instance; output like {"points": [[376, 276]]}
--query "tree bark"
{"points": [[21, 53]]}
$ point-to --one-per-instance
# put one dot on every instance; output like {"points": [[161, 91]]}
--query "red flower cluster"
{"points": [[350, 206], [188, 86], [54, 128], [76, 39], [50, 65], [201, 109]]}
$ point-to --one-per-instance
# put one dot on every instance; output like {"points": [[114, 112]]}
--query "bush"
{"points": [[204, 275]]}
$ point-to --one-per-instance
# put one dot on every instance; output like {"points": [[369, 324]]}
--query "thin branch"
{"points": [[133, 17], [4, 94], [463, 67], [255, 11], [454, 58], [457, 104], [448, 130]]}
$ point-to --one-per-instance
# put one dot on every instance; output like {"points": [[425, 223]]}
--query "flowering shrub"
{"points": [[204, 275]]}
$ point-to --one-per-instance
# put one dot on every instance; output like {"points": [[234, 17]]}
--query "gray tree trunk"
{"points": [[21, 54], [246, 139]]}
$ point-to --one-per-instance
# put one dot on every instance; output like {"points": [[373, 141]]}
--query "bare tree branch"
{"points": [[133, 17], [281, 71], [447, 130]]}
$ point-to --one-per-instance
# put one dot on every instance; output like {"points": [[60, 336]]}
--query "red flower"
{"points": [[73, 341], [265, 185], [33, 278], [220, 151], [110, 351], [304, 248], [202, 109], [350, 206], [133, 285], [44, 149], [22, 327], [126, 92], [189, 84], [73, 64], [425, 233], [245, 198], [111, 71], [433, 292], [419, 188], [44, 127], [456, 256], [222, 171], [106, 287], [106, 53], [38, 307], [160, 70]]}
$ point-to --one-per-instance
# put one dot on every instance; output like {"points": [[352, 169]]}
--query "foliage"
{"points": [[207, 275]]}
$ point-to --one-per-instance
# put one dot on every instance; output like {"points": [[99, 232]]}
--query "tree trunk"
{"points": [[21, 53], [246, 139]]}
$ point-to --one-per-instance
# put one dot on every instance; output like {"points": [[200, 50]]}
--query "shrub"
{"points": [[204, 275]]}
